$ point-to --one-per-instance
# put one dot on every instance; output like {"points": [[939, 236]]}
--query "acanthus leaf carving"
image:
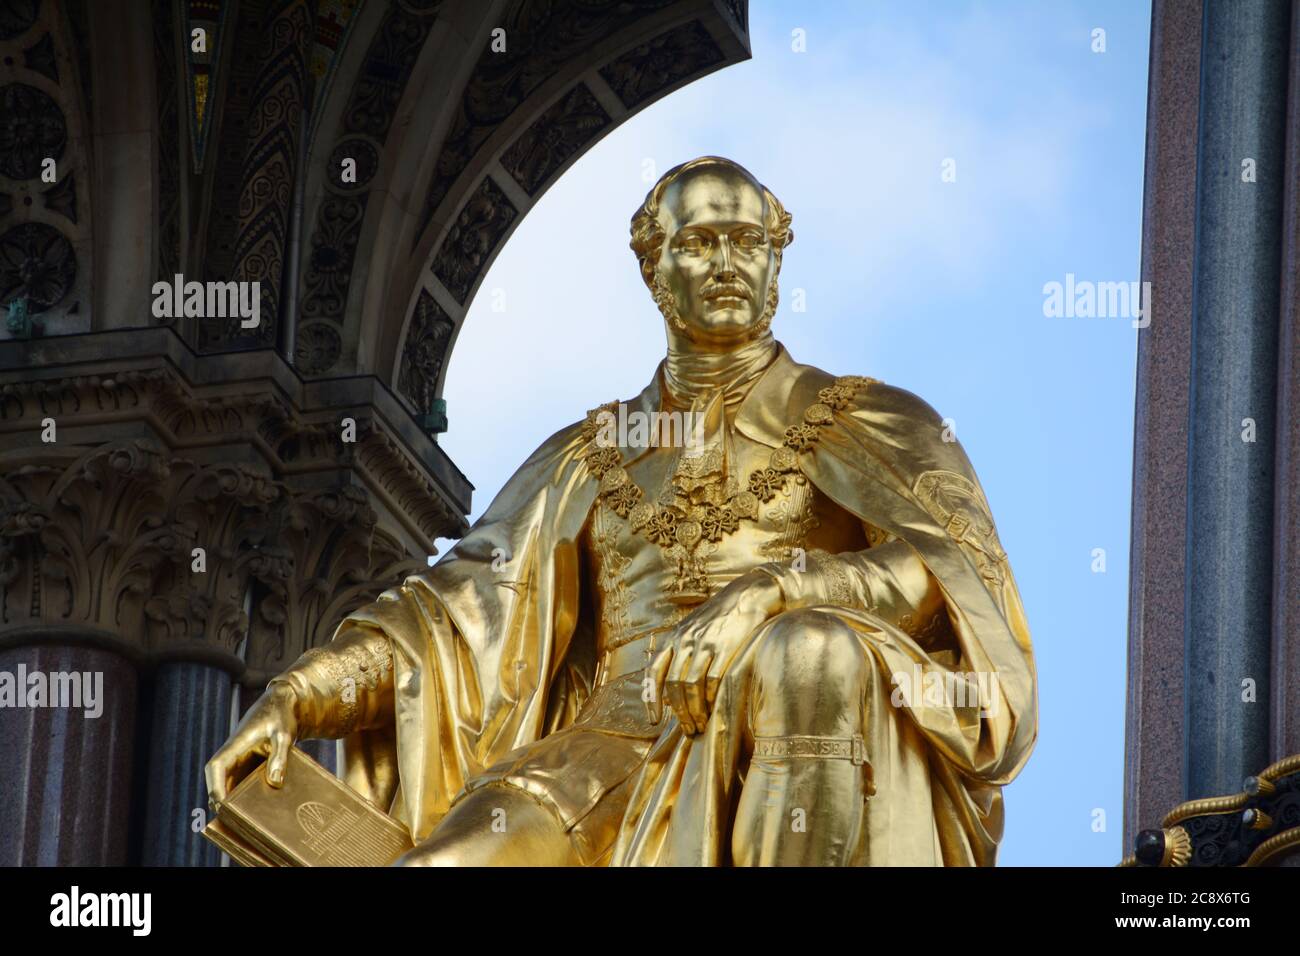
{"points": [[106, 542], [325, 556]]}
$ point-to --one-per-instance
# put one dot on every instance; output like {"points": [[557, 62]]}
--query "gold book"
{"points": [[242, 853], [313, 820]]}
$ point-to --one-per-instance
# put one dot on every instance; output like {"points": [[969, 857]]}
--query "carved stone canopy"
{"points": [[206, 507]]}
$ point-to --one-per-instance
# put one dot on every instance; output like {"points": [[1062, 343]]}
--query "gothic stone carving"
{"points": [[105, 541], [558, 134], [424, 353], [333, 249], [102, 539], [37, 261], [95, 539], [361, 151], [371, 106], [478, 230], [546, 35], [258, 417], [666, 60], [169, 144], [324, 558], [270, 163], [44, 257], [316, 348], [33, 129]]}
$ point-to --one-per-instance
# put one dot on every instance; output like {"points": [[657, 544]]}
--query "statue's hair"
{"points": [[648, 233]]}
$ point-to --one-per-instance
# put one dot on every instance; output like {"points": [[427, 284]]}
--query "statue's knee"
{"points": [[809, 648], [433, 852], [495, 826], [811, 678]]}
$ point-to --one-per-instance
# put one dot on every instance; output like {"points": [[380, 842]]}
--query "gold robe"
{"points": [[493, 648]]}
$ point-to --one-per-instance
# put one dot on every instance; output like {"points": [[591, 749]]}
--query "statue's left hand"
{"points": [[688, 669]]}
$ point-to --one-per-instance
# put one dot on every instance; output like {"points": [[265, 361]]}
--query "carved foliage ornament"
{"points": [[324, 558], [478, 230], [107, 541], [425, 351], [32, 128], [563, 130], [385, 462], [662, 62], [545, 36], [372, 105], [36, 261], [333, 249], [316, 348]]}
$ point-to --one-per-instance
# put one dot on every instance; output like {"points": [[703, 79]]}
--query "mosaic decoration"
{"points": [[334, 19], [367, 116], [201, 68]]}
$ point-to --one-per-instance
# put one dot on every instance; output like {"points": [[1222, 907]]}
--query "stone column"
{"points": [[1285, 690], [191, 719], [1153, 766], [1233, 424], [65, 799], [1216, 554], [324, 752]]}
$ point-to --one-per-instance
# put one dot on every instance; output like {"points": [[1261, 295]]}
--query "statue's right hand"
{"points": [[268, 730]]}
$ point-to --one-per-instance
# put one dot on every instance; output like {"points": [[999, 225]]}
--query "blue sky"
{"points": [[930, 285]]}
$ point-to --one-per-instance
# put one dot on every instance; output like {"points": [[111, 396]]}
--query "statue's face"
{"points": [[717, 259]]}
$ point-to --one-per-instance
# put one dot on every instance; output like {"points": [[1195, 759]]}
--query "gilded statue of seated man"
{"points": [[791, 638]]}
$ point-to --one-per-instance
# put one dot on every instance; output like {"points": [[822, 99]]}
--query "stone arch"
{"points": [[459, 171], [391, 53]]}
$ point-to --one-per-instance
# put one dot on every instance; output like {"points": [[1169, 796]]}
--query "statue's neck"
{"points": [[690, 374]]}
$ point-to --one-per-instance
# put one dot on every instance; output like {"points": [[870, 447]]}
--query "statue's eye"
{"points": [[749, 241], [691, 244]]}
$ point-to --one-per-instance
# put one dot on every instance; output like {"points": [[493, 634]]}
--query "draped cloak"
{"points": [[493, 647]]}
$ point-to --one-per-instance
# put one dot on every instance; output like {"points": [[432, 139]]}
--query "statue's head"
{"points": [[709, 239]]}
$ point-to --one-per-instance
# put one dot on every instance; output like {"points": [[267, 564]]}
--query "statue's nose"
{"points": [[723, 269]]}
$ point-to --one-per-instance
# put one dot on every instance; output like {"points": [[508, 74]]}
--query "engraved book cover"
{"points": [[313, 820]]}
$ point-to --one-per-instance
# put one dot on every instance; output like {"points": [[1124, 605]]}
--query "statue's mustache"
{"points": [[725, 289]]}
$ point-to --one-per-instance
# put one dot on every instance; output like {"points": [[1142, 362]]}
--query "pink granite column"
{"points": [[1153, 765], [66, 772]]}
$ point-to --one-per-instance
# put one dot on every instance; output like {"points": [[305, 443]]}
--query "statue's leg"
{"points": [[495, 826], [802, 800]]}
